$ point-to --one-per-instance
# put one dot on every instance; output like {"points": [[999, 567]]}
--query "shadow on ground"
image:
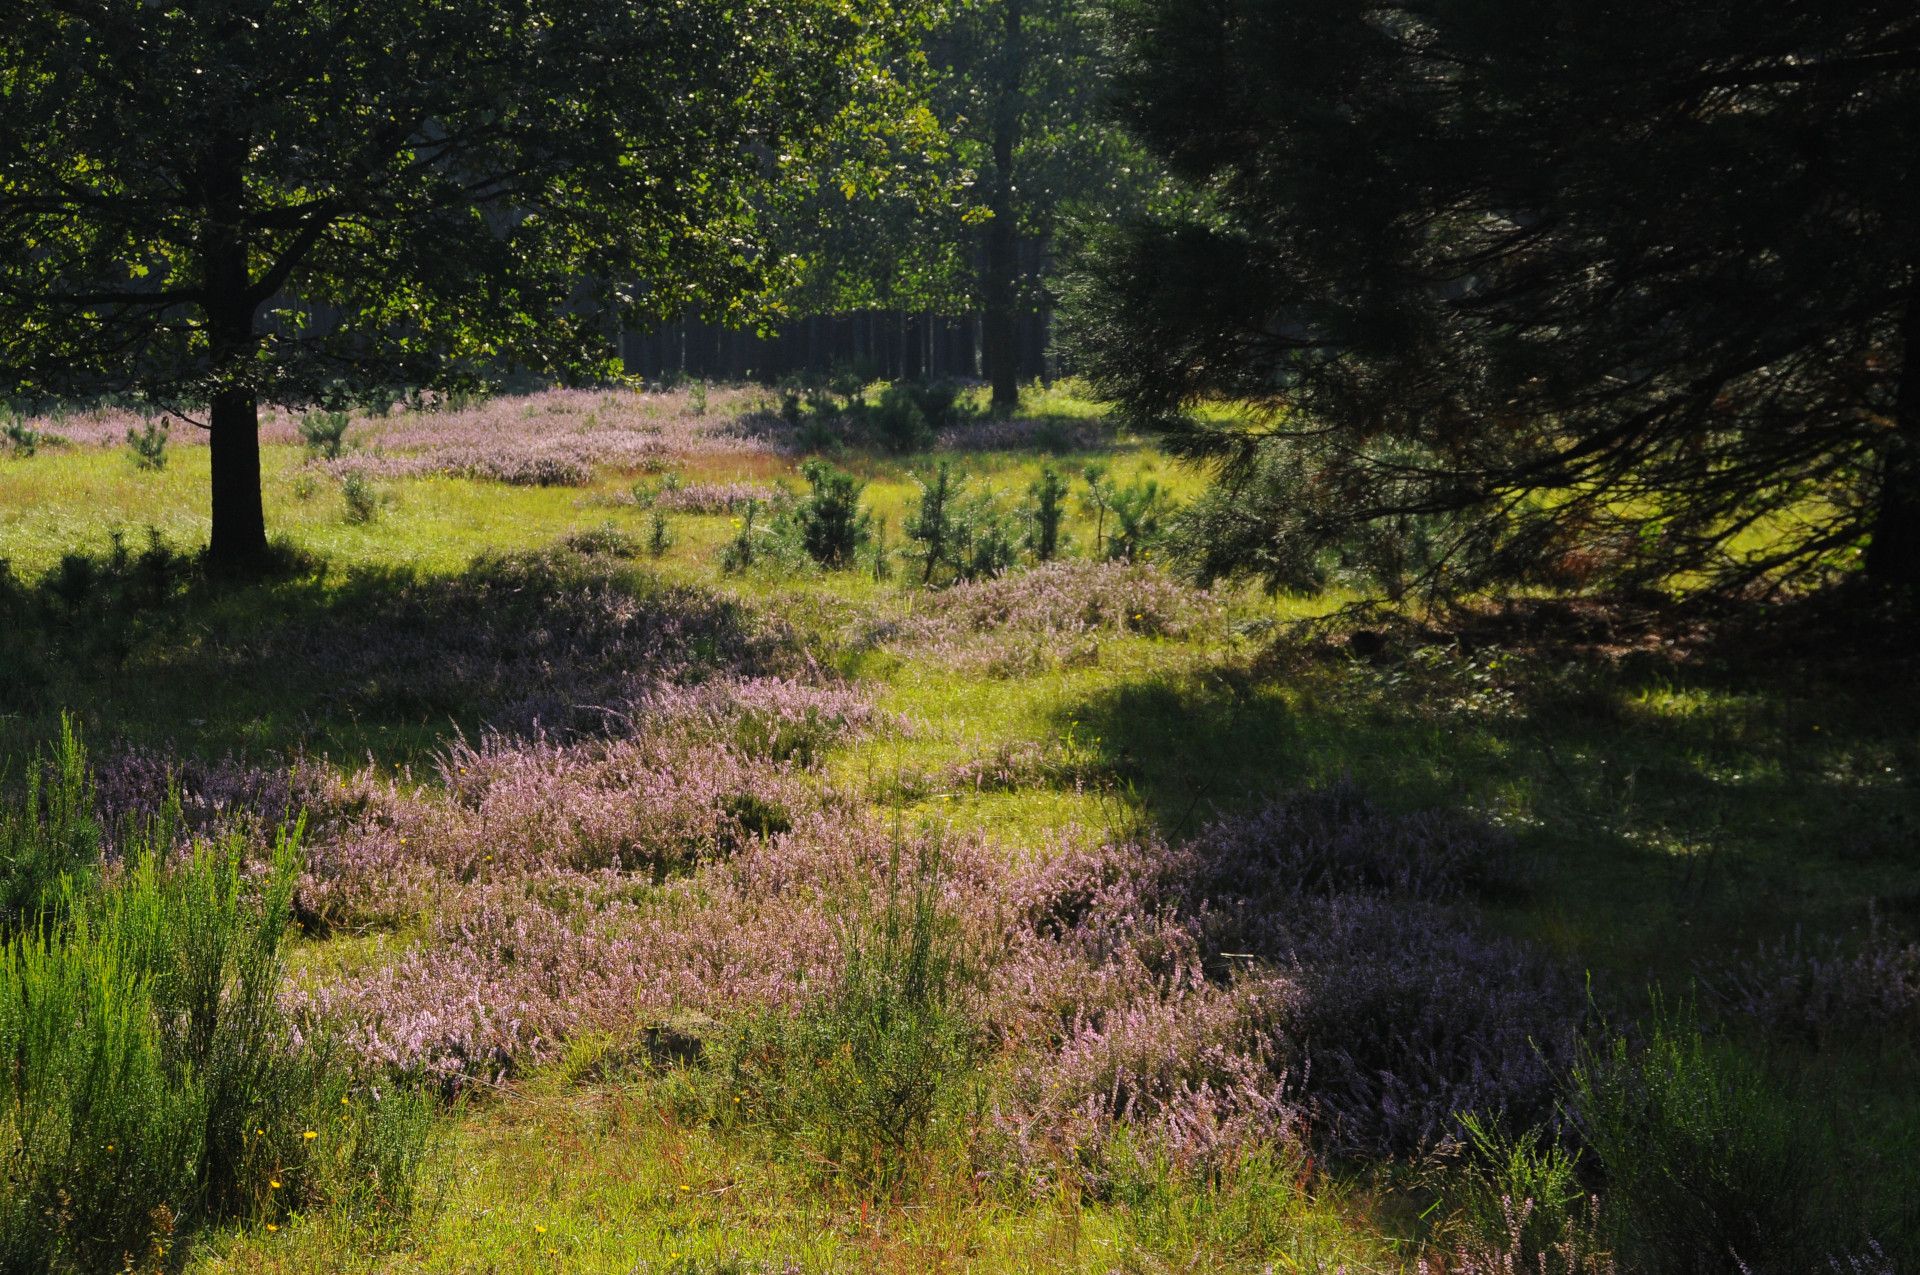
{"points": [[378, 664]]}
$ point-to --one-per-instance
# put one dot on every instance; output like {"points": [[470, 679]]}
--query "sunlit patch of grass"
{"points": [[607, 1179]]}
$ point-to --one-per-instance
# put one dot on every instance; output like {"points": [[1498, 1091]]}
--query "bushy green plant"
{"points": [[697, 398], [864, 1079], [941, 402], [605, 540], [990, 540], [1046, 535], [324, 434], [148, 443], [831, 525], [741, 551], [22, 440], [1702, 1163], [935, 526], [898, 422], [1522, 1191], [361, 498], [153, 1081], [1140, 512], [49, 839], [659, 535]]}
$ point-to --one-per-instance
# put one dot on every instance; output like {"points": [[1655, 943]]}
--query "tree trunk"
{"points": [[1893, 555], [239, 521], [999, 339], [239, 539]]}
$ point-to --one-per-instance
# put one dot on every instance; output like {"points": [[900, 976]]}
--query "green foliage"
{"points": [[659, 534], [935, 526], [486, 203], [872, 1073], [832, 526], [49, 839], [1369, 276], [153, 1082], [22, 440], [899, 422], [1523, 1190], [743, 550], [148, 443], [324, 434], [605, 540], [1140, 510], [1048, 513], [1703, 1164], [362, 499], [697, 398]]}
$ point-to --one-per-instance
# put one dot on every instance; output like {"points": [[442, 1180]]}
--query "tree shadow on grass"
{"points": [[1663, 813], [379, 664]]}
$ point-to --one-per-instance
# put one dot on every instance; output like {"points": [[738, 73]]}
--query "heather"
{"points": [[934, 925]]}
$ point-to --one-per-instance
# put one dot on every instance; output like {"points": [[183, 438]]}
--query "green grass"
{"points": [[1669, 812]]}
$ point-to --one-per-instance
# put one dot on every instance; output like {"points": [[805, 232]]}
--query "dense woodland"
{"points": [[803, 636]]}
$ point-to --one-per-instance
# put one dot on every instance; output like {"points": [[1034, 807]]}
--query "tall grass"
{"points": [[149, 1080], [867, 1078], [1704, 1165], [49, 841]]}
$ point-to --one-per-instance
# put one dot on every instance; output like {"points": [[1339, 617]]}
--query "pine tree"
{"points": [[1526, 289]]}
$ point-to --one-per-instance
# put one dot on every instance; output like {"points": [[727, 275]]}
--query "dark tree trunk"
{"points": [[1893, 555], [239, 522], [1000, 343], [239, 539]]}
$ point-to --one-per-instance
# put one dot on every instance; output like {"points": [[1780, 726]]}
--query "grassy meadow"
{"points": [[755, 915]]}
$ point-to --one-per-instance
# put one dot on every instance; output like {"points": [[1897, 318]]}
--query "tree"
{"points": [[1025, 88], [232, 201], [1504, 290]]}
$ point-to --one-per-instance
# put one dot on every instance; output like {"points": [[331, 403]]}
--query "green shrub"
{"points": [[49, 839], [1522, 1192], [869, 1077], [937, 525], [324, 434], [151, 1081], [831, 524], [697, 398], [22, 440], [148, 444], [1140, 513], [989, 540], [362, 500], [1702, 1163], [605, 540], [898, 422], [659, 535], [741, 551], [1046, 536]]}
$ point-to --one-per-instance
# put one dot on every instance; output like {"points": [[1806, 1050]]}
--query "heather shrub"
{"points": [[148, 445], [324, 434], [831, 525], [1703, 1166], [49, 838], [1819, 990], [862, 1076]]}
